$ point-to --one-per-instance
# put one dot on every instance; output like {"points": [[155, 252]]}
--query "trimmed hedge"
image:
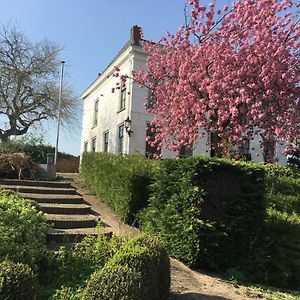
{"points": [[232, 217], [17, 282], [210, 212], [139, 270], [34, 148], [283, 226], [120, 181], [114, 282]]}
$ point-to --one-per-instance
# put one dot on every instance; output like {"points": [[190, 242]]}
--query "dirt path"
{"points": [[186, 284]]}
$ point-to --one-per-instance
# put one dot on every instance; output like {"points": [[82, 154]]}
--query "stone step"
{"points": [[71, 221], [59, 199], [39, 190], [65, 209], [75, 235], [52, 184]]}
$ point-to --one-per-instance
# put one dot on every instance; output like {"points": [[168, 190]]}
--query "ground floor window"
{"points": [[105, 141], [151, 151], [185, 151], [85, 147], [94, 144], [121, 138]]}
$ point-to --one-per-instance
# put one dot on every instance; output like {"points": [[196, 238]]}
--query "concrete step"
{"points": [[59, 199], [71, 221], [39, 190], [75, 235], [65, 209], [52, 184]]}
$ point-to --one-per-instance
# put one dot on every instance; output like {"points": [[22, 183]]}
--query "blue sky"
{"points": [[91, 32]]}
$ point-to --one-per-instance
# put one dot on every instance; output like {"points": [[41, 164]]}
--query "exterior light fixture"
{"points": [[127, 124]]}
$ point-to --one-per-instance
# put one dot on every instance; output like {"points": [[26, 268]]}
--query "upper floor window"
{"points": [[105, 141], [96, 108], [151, 95], [120, 138], [94, 144], [123, 98]]}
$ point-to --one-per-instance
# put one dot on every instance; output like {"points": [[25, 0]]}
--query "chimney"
{"points": [[135, 35]]}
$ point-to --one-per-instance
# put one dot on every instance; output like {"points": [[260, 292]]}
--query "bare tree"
{"points": [[29, 83]]}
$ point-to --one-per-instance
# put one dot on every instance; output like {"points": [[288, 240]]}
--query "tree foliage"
{"points": [[232, 72], [29, 83]]}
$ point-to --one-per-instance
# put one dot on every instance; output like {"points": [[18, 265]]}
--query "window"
{"points": [[243, 150], [150, 99], [105, 141], [96, 107], [123, 98], [94, 144], [85, 147], [185, 151], [213, 141], [151, 151], [120, 138], [151, 95]]}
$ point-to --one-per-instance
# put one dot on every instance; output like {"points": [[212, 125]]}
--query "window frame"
{"points": [[120, 136], [94, 144], [123, 98], [85, 146], [105, 142], [96, 110]]}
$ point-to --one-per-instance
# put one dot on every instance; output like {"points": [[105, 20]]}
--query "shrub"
{"points": [[114, 282], [68, 293], [120, 181], [15, 165], [139, 270], [74, 265], [33, 147], [22, 230], [282, 262], [203, 208], [17, 282]]}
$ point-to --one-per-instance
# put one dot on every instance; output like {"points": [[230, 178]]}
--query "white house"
{"points": [[117, 122]]}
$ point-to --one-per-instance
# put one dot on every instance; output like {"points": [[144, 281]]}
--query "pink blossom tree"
{"points": [[233, 73]]}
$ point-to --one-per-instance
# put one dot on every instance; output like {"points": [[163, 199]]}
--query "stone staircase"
{"points": [[71, 216]]}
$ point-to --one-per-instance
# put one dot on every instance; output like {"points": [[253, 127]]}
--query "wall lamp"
{"points": [[127, 123]]}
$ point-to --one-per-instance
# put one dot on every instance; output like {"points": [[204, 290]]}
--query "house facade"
{"points": [[117, 121]]}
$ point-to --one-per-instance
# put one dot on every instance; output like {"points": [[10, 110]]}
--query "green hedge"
{"points": [[22, 230], [139, 270], [114, 282], [17, 282], [36, 149], [120, 181], [210, 212], [283, 226], [225, 215]]}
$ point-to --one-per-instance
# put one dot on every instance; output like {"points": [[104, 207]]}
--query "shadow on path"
{"points": [[195, 296]]}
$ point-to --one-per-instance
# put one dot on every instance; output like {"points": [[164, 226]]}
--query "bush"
{"points": [[120, 181], [282, 262], [17, 282], [22, 230], [203, 208], [139, 270], [73, 266], [33, 147], [114, 282], [15, 165]]}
